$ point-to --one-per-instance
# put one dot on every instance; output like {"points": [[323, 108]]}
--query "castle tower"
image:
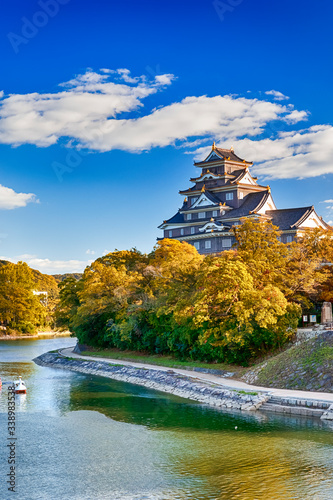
{"points": [[223, 192]]}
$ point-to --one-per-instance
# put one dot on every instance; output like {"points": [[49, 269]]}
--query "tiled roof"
{"points": [[224, 154], [228, 183], [212, 198], [289, 218], [178, 217], [227, 153], [252, 202]]}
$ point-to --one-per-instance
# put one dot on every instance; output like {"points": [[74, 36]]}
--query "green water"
{"points": [[83, 437]]}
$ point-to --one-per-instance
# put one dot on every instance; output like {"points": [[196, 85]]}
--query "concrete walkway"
{"points": [[216, 379]]}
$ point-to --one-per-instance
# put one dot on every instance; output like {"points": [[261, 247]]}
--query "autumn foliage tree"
{"points": [[20, 309], [233, 307]]}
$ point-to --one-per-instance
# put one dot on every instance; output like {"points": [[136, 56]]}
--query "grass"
{"points": [[168, 361], [320, 355]]}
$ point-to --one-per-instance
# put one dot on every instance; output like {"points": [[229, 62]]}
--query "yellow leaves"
{"points": [[174, 258]]}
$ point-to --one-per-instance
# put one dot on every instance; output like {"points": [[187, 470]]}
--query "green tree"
{"points": [[233, 312], [69, 302]]}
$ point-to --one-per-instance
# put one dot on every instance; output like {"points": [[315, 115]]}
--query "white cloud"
{"points": [[326, 201], [300, 154], [95, 110], [296, 116], [48, 266], [87, 113], [9, 199], [166, 79], [80, 112], [90, 252], [278, 96]]}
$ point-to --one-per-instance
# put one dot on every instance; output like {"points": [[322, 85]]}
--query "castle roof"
{"points": [[253, 202], [292, 218], [227, 177], [176, 219], [217, 154]]}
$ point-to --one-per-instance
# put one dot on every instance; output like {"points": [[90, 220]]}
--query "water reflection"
{"points": [[90, 437]]}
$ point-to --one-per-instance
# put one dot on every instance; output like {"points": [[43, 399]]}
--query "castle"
{"points": [[223, 193]]}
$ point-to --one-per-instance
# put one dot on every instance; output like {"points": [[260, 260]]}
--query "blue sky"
{"points": [[105, 105]]}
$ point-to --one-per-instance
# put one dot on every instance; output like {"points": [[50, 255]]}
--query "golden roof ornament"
{"points": [[185, 201], [203, 189], [211, 219], [213, 146], [232, 149], [269, 189]]}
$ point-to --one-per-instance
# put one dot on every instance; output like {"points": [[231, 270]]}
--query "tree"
{"points": [[260, 248], [20, 309], [236, 314], [108, 288], [69, 302]]}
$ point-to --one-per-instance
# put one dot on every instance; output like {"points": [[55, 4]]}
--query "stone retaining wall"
{"points": [[170, 382]]}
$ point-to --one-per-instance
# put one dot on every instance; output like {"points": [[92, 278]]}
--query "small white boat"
{"points": [[20, 387]]}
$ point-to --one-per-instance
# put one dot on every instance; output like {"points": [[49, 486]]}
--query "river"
{"points": [[88, 438]]}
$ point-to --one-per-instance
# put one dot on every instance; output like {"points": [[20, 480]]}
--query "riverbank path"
{"points": [[208, 377]]}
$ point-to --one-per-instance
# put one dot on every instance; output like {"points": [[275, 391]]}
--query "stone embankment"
{"points": [[170, 382], [307, 367], [214, 393]]}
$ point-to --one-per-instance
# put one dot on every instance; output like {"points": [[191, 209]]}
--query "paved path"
{"points": [[216, 379]]}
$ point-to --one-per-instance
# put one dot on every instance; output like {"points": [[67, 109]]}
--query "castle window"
{"points": [[202, 215], [197, 245], [226, 242], [194, 199], [192, 230], [170, 234], [208, 244], [289, 239], [241, 195], [188, 216], [229, 196], [182, 232]]}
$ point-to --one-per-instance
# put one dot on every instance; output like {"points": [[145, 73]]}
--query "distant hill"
{"points": [[60, 277], [48, 281]]}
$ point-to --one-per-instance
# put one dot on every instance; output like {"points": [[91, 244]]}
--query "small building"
{"points": [[223, 192]]}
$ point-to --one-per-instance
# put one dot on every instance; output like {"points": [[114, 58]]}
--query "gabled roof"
{"points": [[253, 202], [213, 225], [293, 218], [205, 195], [222, 154], [241, 177], [228, 154], [288, 217], [207, 175]]}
